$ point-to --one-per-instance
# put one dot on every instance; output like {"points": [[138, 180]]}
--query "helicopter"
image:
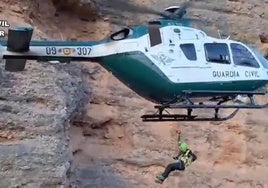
{"points": [[165, 61]]}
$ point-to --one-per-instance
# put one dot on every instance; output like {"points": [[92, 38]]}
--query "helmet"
{"points": [[183, 146]]}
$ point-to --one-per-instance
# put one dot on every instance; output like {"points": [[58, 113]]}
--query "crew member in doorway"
{"points": [[184, 158]]}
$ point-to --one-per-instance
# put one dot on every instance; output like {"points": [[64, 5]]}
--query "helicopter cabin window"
{"points": [[243, 57], [154, 33], [217, 53], [189, 51]]}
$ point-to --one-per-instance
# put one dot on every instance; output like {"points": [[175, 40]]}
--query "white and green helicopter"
{"points": [[165, 61]]}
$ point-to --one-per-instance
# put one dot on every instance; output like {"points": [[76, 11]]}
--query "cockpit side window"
{"points": [[189, 51], [154, 34], [243, 57], [217, 53]]}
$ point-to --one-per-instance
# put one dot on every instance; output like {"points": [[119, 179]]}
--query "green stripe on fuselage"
{"points": [[57, 43], [138, 73], [147, 80]]}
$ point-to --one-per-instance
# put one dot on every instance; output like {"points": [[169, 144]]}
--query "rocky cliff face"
{"points": [[58, 127], [35, 111]]}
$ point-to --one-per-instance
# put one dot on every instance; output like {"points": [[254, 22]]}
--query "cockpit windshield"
{"points": [[260, 56]]}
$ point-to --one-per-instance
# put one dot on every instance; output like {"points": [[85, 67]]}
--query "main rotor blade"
{"points": [[183, 7], [126, 6]]}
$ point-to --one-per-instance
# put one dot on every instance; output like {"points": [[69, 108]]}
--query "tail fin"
{"points": [[18, 41], [15, 65]]}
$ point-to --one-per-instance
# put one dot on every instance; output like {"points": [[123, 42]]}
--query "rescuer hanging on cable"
{"points": [[184, 158]]}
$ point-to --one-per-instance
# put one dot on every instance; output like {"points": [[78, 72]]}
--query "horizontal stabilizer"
{"points": [[19, 39], [14, 65]]}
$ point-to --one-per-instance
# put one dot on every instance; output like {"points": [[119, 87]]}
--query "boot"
{"points": [[160, 179]]}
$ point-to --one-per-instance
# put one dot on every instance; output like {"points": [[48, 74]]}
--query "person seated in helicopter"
{"points": [[185, 157]]}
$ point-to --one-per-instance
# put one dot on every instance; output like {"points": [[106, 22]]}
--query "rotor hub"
{"points": [[174, 12]]}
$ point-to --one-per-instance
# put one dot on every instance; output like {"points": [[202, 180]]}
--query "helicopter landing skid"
{"points": [[189, 105], [160, 116]]}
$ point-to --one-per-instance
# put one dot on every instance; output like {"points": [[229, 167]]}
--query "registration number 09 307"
{"points": [[80, 50]]}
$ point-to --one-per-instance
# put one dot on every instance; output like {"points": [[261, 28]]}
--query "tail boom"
{"points": [[75, 53], [19, 48]]}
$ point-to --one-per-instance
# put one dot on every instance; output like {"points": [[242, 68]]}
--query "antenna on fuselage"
{"points": [[219, 33]]}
